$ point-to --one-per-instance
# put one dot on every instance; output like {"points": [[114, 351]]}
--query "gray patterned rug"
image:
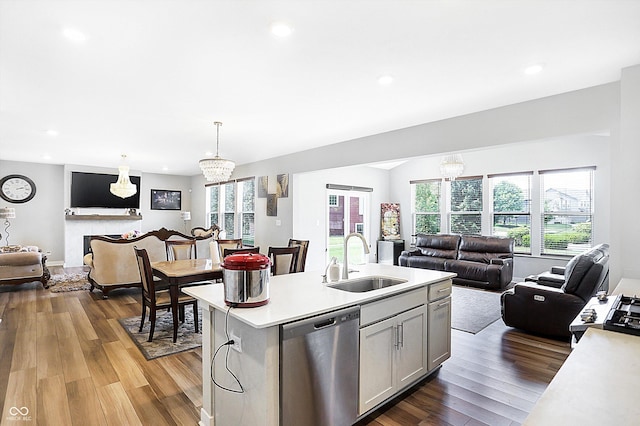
{"points": [[472, 309], [162, 343], [75, 281]]}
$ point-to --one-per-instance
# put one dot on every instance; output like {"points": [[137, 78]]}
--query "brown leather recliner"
{"points": [[548, 310]]}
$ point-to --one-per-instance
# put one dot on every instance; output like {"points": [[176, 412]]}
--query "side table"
{"points": [[578, 327]]}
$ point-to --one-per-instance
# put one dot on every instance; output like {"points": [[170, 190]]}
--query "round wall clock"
{"points": [[17, 188]]}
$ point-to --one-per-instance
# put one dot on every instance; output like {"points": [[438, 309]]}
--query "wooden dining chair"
{"points": [[181, 249], [158, 299], [302, 255], [229, 251], [228, 244], [283, 259]]}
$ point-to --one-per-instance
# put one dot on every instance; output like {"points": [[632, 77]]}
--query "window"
{"points": [[466, 206], [426, 206], [567, 210], [234, 203], [512, 208]]}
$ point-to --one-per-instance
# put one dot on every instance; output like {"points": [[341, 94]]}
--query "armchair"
{"points": [[547, 307]]}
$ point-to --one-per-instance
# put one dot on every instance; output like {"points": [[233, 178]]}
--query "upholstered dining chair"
{"points": [[229, 251], [283, 259], [228, 244], [302, 255], [181, 249], [158, 299]]}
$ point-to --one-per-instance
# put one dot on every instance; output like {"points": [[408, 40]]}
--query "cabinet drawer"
{"points": [[385, 308], [439, 290]]}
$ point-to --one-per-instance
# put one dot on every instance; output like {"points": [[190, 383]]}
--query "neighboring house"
{"points": [[567, 201]]}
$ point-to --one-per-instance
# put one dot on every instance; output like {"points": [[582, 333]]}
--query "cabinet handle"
{"points": [[400, 335], [441, 305], [443, 289]]}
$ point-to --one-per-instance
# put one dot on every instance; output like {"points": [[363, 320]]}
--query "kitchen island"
{"points": [[404, 335]]}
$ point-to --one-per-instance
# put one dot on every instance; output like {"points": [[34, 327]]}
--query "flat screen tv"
{"points": [[92, 190]]}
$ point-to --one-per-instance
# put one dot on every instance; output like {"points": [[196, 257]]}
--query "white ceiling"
{"points": [[152, 76]]}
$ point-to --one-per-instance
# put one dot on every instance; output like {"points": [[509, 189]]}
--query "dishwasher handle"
{"points": [[325, 323], [319, 323]]}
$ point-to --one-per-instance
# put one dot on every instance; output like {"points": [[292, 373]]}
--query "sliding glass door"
{"points": [[348, 212]]}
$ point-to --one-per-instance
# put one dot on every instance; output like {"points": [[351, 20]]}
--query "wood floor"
{"points": [[65, 357]]}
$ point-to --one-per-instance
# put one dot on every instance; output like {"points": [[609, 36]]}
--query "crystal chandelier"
{"points": [[123, 187], [217, 169], [451, 166]]}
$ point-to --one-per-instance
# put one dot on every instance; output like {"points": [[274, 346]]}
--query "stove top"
{"points": [[624, 315]]}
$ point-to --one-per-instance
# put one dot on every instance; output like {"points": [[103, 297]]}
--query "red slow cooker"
{"points": [[246, 279]]}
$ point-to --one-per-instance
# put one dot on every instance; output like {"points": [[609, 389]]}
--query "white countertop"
{"points": [[301, 295], [596, 385]]}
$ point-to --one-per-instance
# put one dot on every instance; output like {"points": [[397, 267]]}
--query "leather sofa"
{"points": [[113, 264], [548, 310], [478, 261]]}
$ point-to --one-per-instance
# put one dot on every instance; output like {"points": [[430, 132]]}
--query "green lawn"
{"points": [[356, 252]]}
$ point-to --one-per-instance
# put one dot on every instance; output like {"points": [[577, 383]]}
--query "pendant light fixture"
{"points": [[217, 169], [451, 166], [123, 187]]}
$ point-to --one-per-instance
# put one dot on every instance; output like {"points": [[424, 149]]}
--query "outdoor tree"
{"points": [[507, 197], [427, 201], [466, 196]]}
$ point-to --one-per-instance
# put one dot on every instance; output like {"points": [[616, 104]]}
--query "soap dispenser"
{"points": [[334, 270]]}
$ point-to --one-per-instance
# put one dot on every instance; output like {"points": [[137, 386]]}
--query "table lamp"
{"points": [[7, 213]]}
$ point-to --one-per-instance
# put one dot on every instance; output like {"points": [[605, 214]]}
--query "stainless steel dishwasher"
{"points": [[319, 369]]}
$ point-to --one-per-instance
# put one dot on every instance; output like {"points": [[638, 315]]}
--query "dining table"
{"points": [[178, 273]]}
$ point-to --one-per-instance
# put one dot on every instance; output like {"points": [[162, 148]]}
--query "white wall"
{"points": [[555, 153], [626, 176], [310, 207], [590, 111]]}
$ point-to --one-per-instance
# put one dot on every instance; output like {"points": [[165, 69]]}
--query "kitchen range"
{"points": [[321, 353]]}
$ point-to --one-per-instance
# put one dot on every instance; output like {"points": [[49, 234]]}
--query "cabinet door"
{"points": [[411, 361], [377, 372], [439, 332]]}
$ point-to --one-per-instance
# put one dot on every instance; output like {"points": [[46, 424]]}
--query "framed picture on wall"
{"points": [[390, 221], [162, 199]]}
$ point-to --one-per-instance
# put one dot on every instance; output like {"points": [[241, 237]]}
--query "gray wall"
{"points": [[39, 221]]}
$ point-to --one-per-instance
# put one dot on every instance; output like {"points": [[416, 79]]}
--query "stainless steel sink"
{"points": [[360, 285]]}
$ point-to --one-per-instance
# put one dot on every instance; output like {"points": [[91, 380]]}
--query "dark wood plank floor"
{"points": [[65, 357]]}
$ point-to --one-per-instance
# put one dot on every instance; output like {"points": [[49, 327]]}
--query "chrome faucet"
{"points": [[345, 267]]}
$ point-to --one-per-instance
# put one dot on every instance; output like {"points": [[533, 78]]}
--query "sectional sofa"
{"points": [[478, 261]]}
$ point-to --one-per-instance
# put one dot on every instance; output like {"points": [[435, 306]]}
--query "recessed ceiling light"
{"points": [[74, 35], [281, 29], [46, 157], [533, 69], [165, 168], [52, 132], [208, 153], [385, 80]]}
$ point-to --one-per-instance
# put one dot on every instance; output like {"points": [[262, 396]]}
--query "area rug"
{"points": [[472, 310], [162, 343], [75, 281]]}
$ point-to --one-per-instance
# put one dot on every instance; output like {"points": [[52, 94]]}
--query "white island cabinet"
{"points": [[396, 324]]}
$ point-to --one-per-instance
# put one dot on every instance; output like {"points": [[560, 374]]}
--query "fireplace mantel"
{"points": [[102, 217]]}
